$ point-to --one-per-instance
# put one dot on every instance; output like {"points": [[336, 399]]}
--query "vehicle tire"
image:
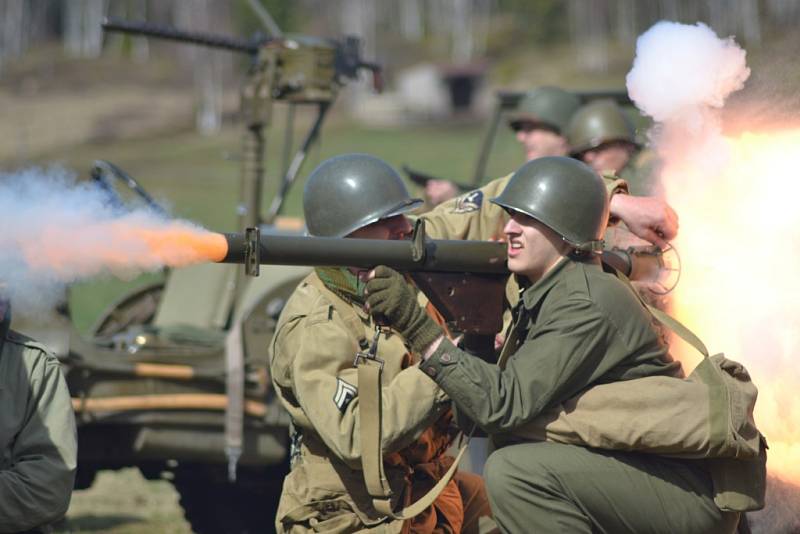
{"points": [[136, 308], [212, 505]]}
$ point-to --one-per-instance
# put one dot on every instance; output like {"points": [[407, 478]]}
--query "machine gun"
{"points": [[285, 68]]}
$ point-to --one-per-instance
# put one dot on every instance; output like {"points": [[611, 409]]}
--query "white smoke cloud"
{"points": [[56, 230], [736, 198], [680, 71]]}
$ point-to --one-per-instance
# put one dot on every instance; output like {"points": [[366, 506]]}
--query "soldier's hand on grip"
{"points": [[389, 296]]}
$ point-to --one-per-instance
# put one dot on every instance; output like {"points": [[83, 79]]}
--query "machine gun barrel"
{"points": [[410, 256], [168, 32]]}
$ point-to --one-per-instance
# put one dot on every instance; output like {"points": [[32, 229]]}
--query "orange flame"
{"points": [[740, 286], [122, 246]]}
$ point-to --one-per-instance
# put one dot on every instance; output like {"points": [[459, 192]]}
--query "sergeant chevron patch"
{"points": [[344, 394]]}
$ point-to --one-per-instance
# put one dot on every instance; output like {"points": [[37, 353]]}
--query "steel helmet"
{"points": [[565, 195], [347, 192], [597, 123], [550, 107]]}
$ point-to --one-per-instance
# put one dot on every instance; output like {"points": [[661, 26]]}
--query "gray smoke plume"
{"points": [[56, 230]]}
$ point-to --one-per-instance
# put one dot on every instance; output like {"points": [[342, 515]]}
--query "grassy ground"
{"points": [[123, 502]]}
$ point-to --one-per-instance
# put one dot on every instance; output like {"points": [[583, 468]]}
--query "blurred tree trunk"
{"points": [[625, 20], [209, 67], [13, 39], [83, 35], [739, 17], [411, 20], [589, 30], [135, 10], [462, 45]]}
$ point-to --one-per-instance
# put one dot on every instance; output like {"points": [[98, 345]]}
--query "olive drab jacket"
{"points": [[314, 375], [38, 442], [577, 327]]}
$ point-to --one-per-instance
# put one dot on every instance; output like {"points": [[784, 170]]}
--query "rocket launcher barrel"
{"points": [[408, 256], [464, 280], [454, 275], [417, 255]]}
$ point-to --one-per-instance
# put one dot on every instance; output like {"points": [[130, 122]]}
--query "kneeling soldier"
{"points": [[322, 327], [575, 327]]}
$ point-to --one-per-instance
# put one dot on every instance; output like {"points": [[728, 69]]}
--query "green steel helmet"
{"points": [[550, 107], [597, 123], [347, 192], [565, 195]]}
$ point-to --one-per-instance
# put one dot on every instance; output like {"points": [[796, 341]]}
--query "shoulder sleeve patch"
{"points": [[344, 394], [469, 202]]}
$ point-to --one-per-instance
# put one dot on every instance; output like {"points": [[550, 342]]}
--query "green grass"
{"points": [[197, 177]]}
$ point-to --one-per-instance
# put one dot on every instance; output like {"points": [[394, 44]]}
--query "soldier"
{"points": [[318, 334], [576, 326], [602, 136], [539, 123], [38, 441]]}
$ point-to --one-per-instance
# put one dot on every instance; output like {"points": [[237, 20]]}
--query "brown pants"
{"points": [[458, 509]]}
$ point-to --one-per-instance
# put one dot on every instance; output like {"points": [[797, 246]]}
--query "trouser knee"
{"points": [[499, 476]]}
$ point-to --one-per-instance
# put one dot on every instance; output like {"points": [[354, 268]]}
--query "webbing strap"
{"points": [[369, 381], [510, 343], [371, 422], [670, 322]]}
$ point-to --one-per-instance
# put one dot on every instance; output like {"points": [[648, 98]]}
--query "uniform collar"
{"points": [[535, 293]]}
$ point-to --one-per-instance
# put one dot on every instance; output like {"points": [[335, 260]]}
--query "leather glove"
{"points": [[389, 295]]}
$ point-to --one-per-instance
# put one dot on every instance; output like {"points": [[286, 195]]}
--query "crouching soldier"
{"points": [[322, 327], [576, 327]]}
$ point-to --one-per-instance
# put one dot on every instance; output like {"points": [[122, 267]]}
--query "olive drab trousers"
{"points": [[549, 487]]}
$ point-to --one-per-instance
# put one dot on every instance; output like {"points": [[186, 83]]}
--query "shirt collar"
{"points": [[535, 293]]}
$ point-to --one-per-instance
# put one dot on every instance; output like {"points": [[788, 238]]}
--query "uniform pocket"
{"points": [[325, 515], [308, 506]]}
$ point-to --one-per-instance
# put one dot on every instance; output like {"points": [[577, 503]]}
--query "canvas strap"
{"points": [[371, 422], [670, 322]]}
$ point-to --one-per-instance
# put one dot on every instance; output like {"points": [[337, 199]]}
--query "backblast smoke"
{"points": [[740, 228], [56, 231]]}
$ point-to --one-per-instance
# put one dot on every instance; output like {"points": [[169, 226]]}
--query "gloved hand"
{"points": [[390, 296]]}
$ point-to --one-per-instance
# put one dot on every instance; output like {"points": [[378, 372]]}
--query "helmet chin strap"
{"points": [[592, 247]]}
